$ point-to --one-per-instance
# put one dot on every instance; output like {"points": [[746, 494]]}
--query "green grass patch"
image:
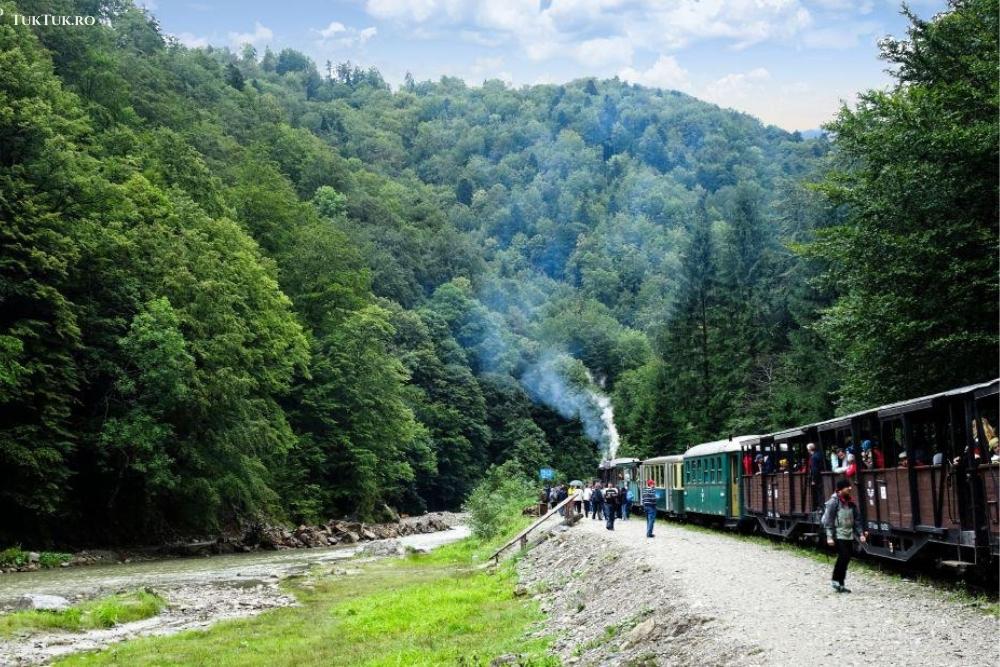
{"points": [[17, 557], [425, 609], [101, 613]]}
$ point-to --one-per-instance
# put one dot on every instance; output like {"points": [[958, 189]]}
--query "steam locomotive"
{"points": [[926, 477]]}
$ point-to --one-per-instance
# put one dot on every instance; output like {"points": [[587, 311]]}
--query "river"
{"points": [[200, 591]]}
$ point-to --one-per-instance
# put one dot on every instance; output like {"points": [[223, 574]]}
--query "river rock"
{"points": [[640, 633], [39, 602], [383, 548], [34, 556], [390, 514]]}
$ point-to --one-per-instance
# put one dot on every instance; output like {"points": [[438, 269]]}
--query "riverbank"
{"points": [[442, 607], [200, 592], [334, 532]]}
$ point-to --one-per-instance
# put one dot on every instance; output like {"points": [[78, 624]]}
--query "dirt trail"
{"points": [[689, 597]]}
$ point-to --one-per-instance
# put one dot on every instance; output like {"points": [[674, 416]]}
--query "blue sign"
{"points": [[546, 473]]}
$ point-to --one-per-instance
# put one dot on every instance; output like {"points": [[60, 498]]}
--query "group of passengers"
{"points": [[607, 501]]}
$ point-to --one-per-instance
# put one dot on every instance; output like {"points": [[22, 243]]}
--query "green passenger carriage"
{"points": [[712, 479], [667, 473]]}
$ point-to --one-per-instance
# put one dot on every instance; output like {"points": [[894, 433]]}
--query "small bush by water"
{"points": [[495, 505], [18, 557]]}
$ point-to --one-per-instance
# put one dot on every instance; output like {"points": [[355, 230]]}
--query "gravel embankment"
{"points": [[688, 597]]}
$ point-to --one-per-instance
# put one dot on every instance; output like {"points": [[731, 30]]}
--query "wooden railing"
{"points": [[522, 537]]}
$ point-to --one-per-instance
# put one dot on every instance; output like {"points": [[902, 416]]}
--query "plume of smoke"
{"points": [[563, 384]]}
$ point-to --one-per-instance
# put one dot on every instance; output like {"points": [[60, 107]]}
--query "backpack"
{"points": [[628, 496]]}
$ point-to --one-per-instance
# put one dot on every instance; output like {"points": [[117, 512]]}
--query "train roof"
{"points": [[673, 458], [921, 403], [621, 462], [734, 444]]}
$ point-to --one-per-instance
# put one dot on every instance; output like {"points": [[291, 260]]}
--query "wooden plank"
{"points": [[522, 537]]}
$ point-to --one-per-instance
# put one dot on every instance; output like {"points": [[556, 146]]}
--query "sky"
{"points": [[788, 62]]}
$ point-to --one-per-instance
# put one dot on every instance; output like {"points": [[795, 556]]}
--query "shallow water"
{"points": [[165, 574]]}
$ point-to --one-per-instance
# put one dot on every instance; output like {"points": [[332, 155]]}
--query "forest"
{"points": [[246, 286]]}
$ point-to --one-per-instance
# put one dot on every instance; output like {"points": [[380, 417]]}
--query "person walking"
{"points": [[649, 506], [588, 490], [625, 496], [597, 500], [611, 502], [842, 520]]}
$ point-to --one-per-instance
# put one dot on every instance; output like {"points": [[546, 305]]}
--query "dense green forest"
{"points": [[241, 285]]}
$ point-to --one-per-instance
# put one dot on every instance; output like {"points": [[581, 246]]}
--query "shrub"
{"points": [[13, 557], [495, 505], [53, 558]]}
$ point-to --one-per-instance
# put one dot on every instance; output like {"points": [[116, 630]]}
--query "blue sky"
{"points": [[788, 62]]}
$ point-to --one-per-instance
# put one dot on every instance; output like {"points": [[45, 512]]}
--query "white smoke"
{"points": [[549, 382], [608, 418]]}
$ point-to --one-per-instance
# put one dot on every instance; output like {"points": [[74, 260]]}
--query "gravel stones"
{"points": [[695, 598]]}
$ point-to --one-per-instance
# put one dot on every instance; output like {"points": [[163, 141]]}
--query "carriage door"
{"points": [[734, 484]]}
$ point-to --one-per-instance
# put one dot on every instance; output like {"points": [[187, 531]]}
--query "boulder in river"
{"points": [[383, 548], [40, 602]]}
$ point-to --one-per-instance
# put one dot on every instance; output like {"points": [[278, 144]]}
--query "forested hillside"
{"points": [[240, 285]]}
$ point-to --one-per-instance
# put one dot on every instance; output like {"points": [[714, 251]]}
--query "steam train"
{"points": [[927, 479]]}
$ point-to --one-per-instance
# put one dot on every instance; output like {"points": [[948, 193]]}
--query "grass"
{"points": [[16, 557], [426, 609], [101, 613]]}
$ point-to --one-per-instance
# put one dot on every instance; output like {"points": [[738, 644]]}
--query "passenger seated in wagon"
{"points": [[872, 455], [852, 467], [838, 460]]}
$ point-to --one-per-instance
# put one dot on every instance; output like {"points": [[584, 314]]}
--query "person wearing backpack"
{"points": [[597, 500], [611, 502], [842, 520]]}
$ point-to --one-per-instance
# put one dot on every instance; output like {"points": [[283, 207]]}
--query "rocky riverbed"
{"points": [[204, 590], [253, 538]]}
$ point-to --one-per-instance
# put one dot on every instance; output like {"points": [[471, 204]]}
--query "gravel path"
{"points": [[782, 602]]}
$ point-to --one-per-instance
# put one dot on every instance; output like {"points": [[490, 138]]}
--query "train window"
{"points": [[989, 415]]}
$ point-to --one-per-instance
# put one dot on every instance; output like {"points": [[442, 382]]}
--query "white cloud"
{"points": [[736, 88], [604, 51], [335, 28], [339, 35], [666, 72], [845, 36], [846, 6], [191, 41], [565, 26], [260, 35]]}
